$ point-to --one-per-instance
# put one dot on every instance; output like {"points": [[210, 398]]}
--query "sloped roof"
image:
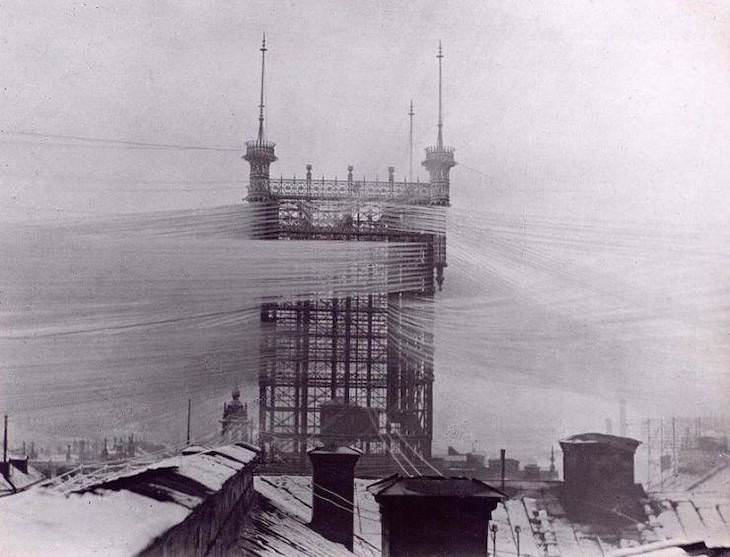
{"points": [[119, 515], [19, 480], [537, 508], [279, 524], [273, 531], [433, 486]]}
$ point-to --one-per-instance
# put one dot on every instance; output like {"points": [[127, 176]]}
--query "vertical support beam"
{"points": [[272, 408], [333, 380], [347, 345], [262, 416], [297, 379], [393, 357], [305, 381], [369, 356], [369, 362], [428, 419]]}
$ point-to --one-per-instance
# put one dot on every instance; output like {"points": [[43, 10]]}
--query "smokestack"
{"points": [[502, 466], [333, 490], [623, 424]]}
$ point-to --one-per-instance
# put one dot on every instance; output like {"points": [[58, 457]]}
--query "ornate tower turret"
{"points": [[235, 425], [439, 159], [259, 152]]}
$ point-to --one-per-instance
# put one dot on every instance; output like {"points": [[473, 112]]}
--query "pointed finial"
{"points": [[410, 145], [439, 137], [261, 103]]}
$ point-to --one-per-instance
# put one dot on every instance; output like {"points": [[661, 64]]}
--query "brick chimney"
{"points": [[333, 486]]}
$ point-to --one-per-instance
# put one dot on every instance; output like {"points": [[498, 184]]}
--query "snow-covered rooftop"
{"points": [[18, 479], [279, 524], [534, 506], [117, 516]]}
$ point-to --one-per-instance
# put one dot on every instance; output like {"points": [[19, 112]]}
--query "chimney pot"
{"points": [[333, 487]]}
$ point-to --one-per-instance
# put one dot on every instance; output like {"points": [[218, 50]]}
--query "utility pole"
{"points": [[661, 452], [410, 151], [5, 441], [698, 430], [189, 408], [502, 465], [675, 466], [648, 453]]}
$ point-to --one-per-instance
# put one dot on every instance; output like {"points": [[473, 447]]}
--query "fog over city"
{"points": [[587, 235]]}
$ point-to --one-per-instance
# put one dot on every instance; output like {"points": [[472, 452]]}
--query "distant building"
{"points": [[472, 465], [235, 425]]}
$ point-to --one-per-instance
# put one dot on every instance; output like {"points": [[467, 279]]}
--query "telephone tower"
{"points": [[370, 355]]}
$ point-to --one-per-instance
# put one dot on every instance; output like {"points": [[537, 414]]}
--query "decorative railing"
{"points": [[436, 149], [293, 188]]}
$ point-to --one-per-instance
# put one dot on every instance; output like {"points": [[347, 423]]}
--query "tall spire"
{"points": [[440, 137], [410, 137], [261, 103], [439, 159], [259, 152]]}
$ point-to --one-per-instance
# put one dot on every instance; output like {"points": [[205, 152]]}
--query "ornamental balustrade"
{"points": [[365, 190]]}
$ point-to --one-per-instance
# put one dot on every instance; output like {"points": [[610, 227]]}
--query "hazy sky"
{"points": [[608, 112], [620, 106]]}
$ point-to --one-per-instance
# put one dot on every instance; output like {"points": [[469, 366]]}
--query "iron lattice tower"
{"points": [[373, 351]]}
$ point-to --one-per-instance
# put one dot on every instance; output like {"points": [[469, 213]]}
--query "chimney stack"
{"points": [[502, 464], [598, 471], [431, 515], [333, 487]]}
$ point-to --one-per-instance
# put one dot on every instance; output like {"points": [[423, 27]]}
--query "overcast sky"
{"points": [[601, 112], [617, 105]]}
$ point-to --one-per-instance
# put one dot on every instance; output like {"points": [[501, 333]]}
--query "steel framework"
{"points": [[373, 350]]}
